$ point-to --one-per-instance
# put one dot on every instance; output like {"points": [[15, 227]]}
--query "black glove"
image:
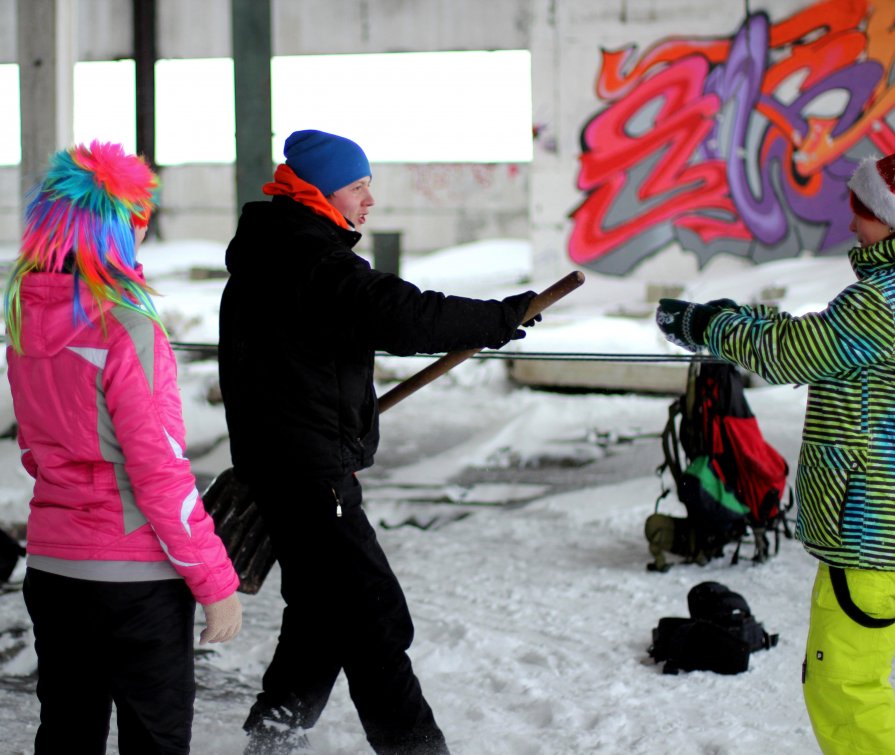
{"points": [[684, 322], [723, 304], [520, 304]]}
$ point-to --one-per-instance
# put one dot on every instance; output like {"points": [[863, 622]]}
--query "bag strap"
{"points": [[840, 589], [671, 444], [671, 457]]}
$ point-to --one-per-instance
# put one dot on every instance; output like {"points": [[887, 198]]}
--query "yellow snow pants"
{"points": [[846, 684]]}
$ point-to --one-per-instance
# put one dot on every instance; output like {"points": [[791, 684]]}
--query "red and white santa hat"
{"points": [[873, 183]]}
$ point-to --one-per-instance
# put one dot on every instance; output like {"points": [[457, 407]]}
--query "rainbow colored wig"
{"points": [[81, 218]]}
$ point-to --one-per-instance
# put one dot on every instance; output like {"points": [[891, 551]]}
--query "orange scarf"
{"points": [[288, 184]]}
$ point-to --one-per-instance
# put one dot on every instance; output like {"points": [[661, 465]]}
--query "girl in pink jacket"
{"points": [[119, 545]]}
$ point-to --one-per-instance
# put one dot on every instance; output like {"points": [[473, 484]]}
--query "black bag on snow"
{"points": [[697, 645], [721, 606], [719, 636], [728, 477]]}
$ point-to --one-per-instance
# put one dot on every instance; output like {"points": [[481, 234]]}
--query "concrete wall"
{"points": [[197, 202], [436, 205], [567, 43], [10, 212], [738, 154], [432, 205], [201, 28], [8, 31], [725, 129]]}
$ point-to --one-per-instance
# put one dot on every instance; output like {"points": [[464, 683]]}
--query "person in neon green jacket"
{"points": [[845, 483]]}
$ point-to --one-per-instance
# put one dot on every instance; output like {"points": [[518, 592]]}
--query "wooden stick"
{"points": [[538, 304]]}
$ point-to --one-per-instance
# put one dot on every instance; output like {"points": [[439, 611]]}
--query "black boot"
{"points": [[275, 729]]}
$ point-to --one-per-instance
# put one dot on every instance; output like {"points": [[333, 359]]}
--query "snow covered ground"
{"points": [[526, 573]]}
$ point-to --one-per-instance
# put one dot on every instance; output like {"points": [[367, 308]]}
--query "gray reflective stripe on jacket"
{"points": [[140, 329]]}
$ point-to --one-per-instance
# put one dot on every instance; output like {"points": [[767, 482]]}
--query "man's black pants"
{"points": [[99, 642], [344, 610]]}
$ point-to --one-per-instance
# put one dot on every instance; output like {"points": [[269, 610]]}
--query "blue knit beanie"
{"points": [[326, 161]]}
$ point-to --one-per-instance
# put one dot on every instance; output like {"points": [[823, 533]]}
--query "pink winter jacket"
{"points": [[101, 431]]}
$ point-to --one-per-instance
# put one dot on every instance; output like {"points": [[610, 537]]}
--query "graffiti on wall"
{"points": [[739, 145]]}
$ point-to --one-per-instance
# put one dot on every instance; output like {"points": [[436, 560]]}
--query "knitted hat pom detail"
{"points": [[873, 182]]}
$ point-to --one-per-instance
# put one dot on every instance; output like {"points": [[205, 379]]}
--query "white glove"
{"points": [[223, 620]]}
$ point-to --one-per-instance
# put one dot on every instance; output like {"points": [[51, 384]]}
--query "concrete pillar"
{"points": [[145, 55], [46, 35], [251, 83], [387, 251]]}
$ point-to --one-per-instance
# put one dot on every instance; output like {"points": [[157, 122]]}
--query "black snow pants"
{"points": [[99, 642], [344, 611]]}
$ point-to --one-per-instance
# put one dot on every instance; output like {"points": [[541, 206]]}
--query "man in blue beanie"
{"points": [[301, 318], [326, 161]]}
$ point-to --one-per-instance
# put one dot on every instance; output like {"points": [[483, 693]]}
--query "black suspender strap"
{"points": [[840, 588]]}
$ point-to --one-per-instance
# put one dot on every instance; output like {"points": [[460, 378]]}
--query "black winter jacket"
{"points": [[301, 317]]}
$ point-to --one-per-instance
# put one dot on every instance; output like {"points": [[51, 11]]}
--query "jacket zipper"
{"points": [[338, 502]]}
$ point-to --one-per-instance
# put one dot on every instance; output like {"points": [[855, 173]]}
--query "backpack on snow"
{"points": [[719, 636], [728, 477]]}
